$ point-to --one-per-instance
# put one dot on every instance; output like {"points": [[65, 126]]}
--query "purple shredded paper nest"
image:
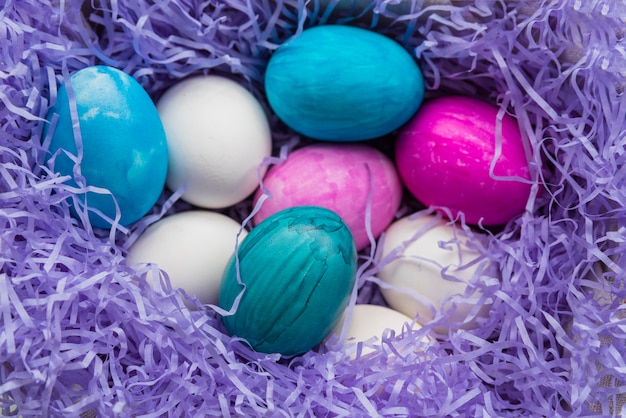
{"points": [[82, 334]]}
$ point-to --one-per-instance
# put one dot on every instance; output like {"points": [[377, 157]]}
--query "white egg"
{"points": [[418, 287], [217, 135], [192, 247], [370, 322]]}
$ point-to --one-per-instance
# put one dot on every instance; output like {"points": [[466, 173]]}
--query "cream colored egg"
{"points": [[192, 247], [418, 287], [369, 323], [217, 137]]}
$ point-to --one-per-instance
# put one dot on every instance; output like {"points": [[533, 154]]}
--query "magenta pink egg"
{"points": [[444, 155], [338, 177]]}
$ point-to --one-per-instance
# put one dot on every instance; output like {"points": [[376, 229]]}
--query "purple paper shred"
{"points": [[82, 334]]}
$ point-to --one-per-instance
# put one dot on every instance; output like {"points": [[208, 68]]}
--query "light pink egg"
{"points": [[444, 156], [338, 177]]}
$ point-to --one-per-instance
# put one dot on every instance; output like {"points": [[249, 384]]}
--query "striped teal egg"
{"points": [[343, 83], [298, 267]]}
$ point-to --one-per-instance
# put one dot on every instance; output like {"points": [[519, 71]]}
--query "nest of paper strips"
{"points": [[82, 334]]}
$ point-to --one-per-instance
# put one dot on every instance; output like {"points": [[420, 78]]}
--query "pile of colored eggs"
{"points": [[289, 281]]}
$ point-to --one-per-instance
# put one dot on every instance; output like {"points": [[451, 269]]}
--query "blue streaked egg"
{"points": [[124, 149]]}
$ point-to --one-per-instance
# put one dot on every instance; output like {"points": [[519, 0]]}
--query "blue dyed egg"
{"points": [[124, 148], [299, 268], [342, 83]]}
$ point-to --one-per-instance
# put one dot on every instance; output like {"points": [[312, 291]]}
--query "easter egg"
{"points": [[192, 247], [368, 323], [422, 251], [123, 147], [217, 136], [445, 156], [343, 83], [345, 178], [298, 268]]}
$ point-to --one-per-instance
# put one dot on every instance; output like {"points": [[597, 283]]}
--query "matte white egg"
{"points": [[217, 136], [416, 274], [370, 322], [192, 247]]}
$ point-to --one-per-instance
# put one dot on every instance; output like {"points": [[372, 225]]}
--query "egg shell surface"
{"points": [[343, 83], [370, 322], [217, 136], [444, 155], [338, 177], [298, 267], [416, 271], [123, 143], [192, 247]]}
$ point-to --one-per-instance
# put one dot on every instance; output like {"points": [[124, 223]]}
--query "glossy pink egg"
{"points": [[444, 157], [338, 177]]}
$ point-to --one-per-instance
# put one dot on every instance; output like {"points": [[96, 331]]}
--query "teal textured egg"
{"points": [[124, 149], [342, 83], [299, 268]]}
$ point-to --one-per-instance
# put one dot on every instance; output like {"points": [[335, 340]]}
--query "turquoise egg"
{"points": [[342, 83], [299, 268], [124, 148]]}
